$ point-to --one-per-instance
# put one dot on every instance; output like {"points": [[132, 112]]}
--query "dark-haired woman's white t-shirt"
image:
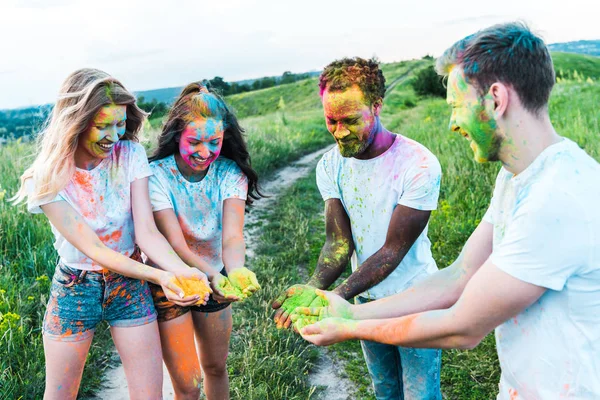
{"points": [[198, 205]]}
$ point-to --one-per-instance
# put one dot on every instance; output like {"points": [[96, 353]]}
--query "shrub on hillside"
{"points": [[428, 83]]}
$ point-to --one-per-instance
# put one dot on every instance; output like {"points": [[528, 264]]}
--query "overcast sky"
{"points": [[151, 44]]}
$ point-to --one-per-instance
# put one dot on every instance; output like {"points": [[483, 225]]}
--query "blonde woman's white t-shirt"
{"points": [[547, 233], [198, 205], [102, 196], [407, 174]]}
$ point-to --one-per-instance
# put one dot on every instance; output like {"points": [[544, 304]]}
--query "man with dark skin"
{"points": [[379, 189]]}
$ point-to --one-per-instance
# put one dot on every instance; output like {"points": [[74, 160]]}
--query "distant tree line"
{"points": [[22, 122], [226, 88]]}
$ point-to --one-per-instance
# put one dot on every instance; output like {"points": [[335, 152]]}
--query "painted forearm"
{"points": [[332, 261], [117, 262], [374, 270], [234, 253], [433, 329], [438, 291], [158, 249]]}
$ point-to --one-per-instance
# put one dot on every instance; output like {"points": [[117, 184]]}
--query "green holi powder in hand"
{"points": [[303, 297], [228, 289]]}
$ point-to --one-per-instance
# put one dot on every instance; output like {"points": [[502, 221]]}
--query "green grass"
{"points": [[566, 64], [265, 363]]}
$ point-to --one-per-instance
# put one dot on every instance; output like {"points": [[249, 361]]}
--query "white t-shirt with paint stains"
{"points": [[407, 174], [198, 205], [102, 196], [547, 233]]}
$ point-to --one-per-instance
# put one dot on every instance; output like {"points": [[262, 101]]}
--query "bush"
{"points": [[428, 83]]}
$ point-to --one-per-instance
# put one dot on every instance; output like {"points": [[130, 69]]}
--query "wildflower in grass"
{"points": [[8, 321], [30, 298], [42, 278]]}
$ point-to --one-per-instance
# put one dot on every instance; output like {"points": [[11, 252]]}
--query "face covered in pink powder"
{"points": [[201, 142]]}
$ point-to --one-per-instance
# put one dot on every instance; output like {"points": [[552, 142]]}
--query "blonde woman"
{"points": [[90, 179], [201, 184]]}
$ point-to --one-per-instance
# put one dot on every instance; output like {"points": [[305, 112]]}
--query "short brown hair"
{"points": [[341, 74], [508, 53]]}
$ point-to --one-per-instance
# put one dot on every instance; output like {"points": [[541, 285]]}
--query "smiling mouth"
{"points": [[105, 146], [199, 160]]}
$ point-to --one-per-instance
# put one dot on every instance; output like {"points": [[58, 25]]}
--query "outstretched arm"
{"points": [[439, 290], [491, 297], [338, 246], [334, 257], [405, 227], [76, 231]]}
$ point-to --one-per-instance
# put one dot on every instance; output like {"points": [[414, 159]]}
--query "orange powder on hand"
{"points": [[193, 287]]}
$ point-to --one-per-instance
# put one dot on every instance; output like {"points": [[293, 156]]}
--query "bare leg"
{"points": [[213, 331], [139, 348], [64, 367], [179, 353]]}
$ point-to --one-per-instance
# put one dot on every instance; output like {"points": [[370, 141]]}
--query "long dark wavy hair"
{"points": [[197, 99]]}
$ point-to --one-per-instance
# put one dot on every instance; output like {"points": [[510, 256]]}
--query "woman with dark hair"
{"points": [[202, 181]]}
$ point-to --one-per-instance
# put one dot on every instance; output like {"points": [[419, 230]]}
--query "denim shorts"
{"points": [[79, 300], [167, 310]]}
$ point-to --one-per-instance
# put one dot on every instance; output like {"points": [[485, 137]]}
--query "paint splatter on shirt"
{"points": [[407, 174], [547, 233], [102, 196], [198, 205]]}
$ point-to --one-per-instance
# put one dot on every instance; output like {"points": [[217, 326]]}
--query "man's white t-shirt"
{"points": [[547, 233], [407, 174], [102, 196], [198, 205]]}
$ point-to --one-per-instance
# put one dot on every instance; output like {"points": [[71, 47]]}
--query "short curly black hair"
{"points": [[366, 74]]}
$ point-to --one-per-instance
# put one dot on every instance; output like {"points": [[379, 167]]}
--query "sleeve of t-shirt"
{"points": [[325, 181], [546, 242], [500, 180], [422, 185], [159, 197], [33, 206], [235, 184], [138, 162]]}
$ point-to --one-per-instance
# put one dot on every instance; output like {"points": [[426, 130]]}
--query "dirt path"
{"points": [[326, 374]]}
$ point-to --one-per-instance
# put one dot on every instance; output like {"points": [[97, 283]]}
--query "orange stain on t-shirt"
{"points": [[113, 237]]}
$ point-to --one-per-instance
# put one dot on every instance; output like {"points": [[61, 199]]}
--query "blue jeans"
{"points": [[400, 373]]}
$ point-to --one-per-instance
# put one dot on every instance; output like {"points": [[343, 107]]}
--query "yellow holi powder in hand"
{"points": [[192, 287], [244, 280]]}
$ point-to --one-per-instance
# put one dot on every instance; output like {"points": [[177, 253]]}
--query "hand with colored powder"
{"points": [[293, 297], [334, 306], [224, 291], [329, 331], [244, 280], [193, 282]]}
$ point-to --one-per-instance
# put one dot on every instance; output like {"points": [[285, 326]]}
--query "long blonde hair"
{"points": [[81, 96]]}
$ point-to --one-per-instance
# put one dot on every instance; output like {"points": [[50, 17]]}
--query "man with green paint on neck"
{"points": [[531, 269], [379, 190]]}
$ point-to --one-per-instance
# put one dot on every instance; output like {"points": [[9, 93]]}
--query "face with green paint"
{"points": [[350, 119], [107, 127], [472, 117], [200, 143]]}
